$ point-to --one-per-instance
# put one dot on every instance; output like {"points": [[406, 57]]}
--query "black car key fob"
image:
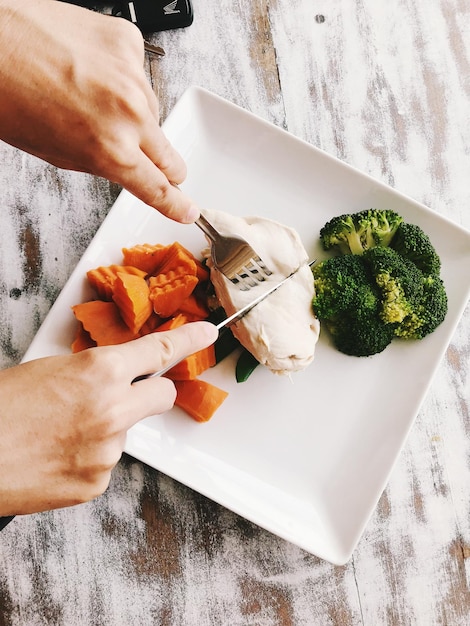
{"points": [[148, 15], [156, 15]]}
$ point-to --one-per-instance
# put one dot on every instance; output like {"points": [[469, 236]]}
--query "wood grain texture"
{"points": [[385, 87]]}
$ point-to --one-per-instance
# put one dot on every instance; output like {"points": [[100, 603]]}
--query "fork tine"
{"points": [[255, 271], [244, 279], [241, 284], [262, 270]]}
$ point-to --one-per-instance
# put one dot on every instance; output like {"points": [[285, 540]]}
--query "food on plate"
{"points": [[199, 398], [245, 367], [412, 243], [102, 279], [353, 233], [102, 323], [132, 297], [282, 331], [156, 288], [384, 283], [347, 303]]}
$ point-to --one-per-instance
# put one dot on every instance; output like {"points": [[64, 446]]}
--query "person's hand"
{"points": [[73, 92], [64, 419]]}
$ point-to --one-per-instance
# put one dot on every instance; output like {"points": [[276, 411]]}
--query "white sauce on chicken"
{"points": [[281, 331]]}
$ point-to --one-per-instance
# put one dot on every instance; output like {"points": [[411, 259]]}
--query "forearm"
{"points": [[32, 67]]}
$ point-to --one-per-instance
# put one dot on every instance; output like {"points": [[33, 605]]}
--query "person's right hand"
{"points": [[63, 419], [73, 91]]}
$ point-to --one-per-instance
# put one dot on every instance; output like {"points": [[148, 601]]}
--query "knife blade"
{"points": [[231, 319]]}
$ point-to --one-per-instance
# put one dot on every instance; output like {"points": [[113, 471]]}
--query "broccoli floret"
{"points": [[412, 242], [382, 225], [358, 336], [354, 233], [348, 301], [428, 314], [400, 283], [342, 283], [341, 235]]}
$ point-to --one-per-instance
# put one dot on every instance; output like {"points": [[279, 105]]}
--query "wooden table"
{"points": [[384, 86]]}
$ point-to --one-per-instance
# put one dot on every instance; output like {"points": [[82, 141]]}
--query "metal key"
{"points": [[154, 50]]}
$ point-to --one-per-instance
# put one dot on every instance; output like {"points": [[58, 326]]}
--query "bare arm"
{"points": [[73, 92]]}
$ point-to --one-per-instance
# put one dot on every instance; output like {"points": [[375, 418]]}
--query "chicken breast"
{"points": [[281, 331]]}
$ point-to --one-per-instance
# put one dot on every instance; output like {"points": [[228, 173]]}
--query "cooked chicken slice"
{"points": [[282, 331]]}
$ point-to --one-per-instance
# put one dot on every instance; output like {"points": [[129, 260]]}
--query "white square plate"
{"points": [[308, 457]]}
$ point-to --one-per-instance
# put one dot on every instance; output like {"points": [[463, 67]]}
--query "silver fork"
{"points": [[234, 257]]}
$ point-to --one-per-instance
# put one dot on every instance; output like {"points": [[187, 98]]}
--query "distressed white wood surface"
{"points": [[384, 86]]}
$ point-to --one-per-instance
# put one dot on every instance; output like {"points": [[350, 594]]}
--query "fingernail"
{"points": [[192, 214]]}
